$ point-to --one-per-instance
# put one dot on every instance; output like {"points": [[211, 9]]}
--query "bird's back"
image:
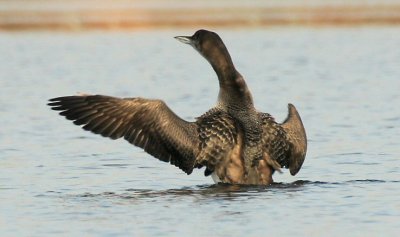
{"points": [[221, 144]]}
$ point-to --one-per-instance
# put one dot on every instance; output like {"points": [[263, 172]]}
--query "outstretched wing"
{"points": [[145, 123], [287, 142]]}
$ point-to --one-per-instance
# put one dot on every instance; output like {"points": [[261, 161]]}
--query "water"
{"points": [[56, 179]]}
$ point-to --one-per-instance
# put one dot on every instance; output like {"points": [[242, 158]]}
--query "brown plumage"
{"points": [[236, 143]]}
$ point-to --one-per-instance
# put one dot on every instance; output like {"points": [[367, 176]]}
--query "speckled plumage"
{"points": [[235, 142]]}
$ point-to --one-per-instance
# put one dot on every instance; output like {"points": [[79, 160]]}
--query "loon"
{"points": [[233, 141]]}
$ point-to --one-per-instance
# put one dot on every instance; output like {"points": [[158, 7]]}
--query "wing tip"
{"points": [[294, 127]]}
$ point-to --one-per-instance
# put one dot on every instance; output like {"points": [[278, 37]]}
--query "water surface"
{"points": [[56, 179]]}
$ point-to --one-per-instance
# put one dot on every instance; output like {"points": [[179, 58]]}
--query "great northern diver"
{"points": [[233, 141]]}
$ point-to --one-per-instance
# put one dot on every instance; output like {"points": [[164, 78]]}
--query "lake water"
{"points": [[56, 179]]}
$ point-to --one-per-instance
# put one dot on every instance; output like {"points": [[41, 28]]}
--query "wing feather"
{"points": [[218, 135], [297, 137], [149, 124], [287, 142]]}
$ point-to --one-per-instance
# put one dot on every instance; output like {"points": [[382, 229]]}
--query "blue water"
{"points": [[56, 179]]}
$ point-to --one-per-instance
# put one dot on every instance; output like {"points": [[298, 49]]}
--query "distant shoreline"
{"points": [[119, 17]]}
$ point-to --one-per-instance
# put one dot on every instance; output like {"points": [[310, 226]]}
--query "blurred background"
{"points": [[134, 14], [337, 61]]}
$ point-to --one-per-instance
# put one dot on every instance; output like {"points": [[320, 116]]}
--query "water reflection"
{"points": [[225, 191], [221, 191]]}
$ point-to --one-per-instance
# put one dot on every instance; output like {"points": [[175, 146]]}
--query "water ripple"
{"points": [[223, 190]]}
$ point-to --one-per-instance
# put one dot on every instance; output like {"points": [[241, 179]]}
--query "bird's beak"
{"points": [[185, 39]]}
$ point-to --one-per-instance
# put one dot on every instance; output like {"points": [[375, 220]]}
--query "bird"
{"points": [[234, 142]]}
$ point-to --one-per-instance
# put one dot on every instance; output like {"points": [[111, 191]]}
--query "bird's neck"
{"points": [[234, 94], [223, 66]]}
